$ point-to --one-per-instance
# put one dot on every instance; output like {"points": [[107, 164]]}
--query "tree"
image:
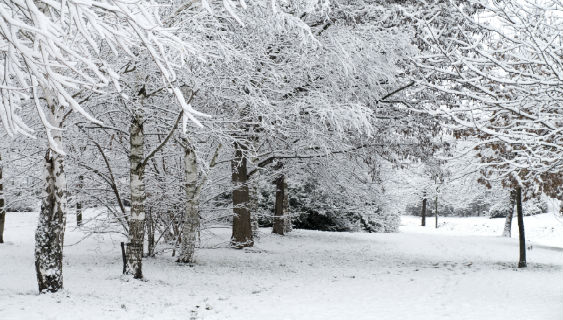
{"points": [[49, 236], [242, 229], [279, 209], [507, 74], [136, 221], [52, 53], [194, 184], [521, 235], [507, 232], [2, 203], [506, 69], [79, 201], [423, 214]]}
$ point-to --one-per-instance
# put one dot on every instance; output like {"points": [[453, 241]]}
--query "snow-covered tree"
{"points": [[2, 203], [53, 51], [505, 65], [507, 76]]}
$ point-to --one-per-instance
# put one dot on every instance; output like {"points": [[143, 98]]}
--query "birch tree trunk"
{"points": [[136, 221], [279, 223], [521, 236], [2, 204], [49, 236], [507, 232], [242, 230], [191, 219]]}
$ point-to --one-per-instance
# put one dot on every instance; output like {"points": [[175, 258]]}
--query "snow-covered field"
{"points": [[543, 229], [463, 270]]}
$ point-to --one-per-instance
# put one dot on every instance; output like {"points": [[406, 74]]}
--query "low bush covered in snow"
{"points": [[315, 207], [349, 221]]}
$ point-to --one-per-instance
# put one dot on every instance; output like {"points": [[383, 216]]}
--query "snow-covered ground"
{"points": [[463, 270], [543, 229]]}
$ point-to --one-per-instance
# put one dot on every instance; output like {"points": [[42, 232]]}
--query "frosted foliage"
{"points": [[509, 76], [345, 193], [53, 50]]}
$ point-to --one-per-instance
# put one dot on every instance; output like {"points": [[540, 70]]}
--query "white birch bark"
{"points": [[191, 218], [134, 254], [49, 236], [2, 205]]}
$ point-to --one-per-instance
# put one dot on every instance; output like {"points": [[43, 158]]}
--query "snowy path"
{"points": [[306, 275]]}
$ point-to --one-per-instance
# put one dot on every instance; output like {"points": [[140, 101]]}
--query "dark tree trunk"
{"points": [[288, 224], [522, 260], [123, 257], [253, 207], [2, 205], [79, 201], [423, 214], [279, 215], [242, 230], [150, 234]]}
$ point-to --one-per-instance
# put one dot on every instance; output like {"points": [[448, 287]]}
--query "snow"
{"points": [[463, 270], [543, 229]]}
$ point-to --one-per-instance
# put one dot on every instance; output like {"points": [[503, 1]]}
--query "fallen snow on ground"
{"points": [[420, 273], [543, 229]]}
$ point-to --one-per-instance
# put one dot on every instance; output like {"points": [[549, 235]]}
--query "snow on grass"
{"points": [[416, 274], [543, 229]]}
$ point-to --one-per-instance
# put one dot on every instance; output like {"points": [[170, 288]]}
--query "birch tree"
{"points": [[51, 52], [2, 203]]}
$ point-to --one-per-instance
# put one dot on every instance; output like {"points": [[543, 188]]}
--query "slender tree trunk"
{"points": [[507, 232], [137, 184], [2, 205], [242, 230], [191, 219], [522, 260], [149, 224], [279, 217], [436, 209], [254, 186], [288, 224], [175, 226], [79, 201], [49, 236], [423, 214], [253, 206]]}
